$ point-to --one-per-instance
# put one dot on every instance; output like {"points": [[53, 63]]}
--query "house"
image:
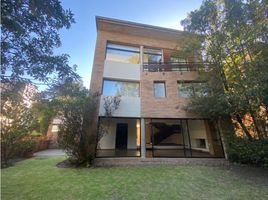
{"points": [[135, 61]]}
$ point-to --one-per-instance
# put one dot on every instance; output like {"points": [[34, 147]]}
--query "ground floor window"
{"points": [[182, 138], [118, 137]]}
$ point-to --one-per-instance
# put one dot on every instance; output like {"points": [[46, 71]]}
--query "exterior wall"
{"points": [[129, 107], [122, 71], [100, 49], [172, 105]]}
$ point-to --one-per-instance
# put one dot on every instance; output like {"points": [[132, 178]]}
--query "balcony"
{"points": [[175, 66]]}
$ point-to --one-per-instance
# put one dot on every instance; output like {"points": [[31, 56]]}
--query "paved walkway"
{"points": [[50, 152]]}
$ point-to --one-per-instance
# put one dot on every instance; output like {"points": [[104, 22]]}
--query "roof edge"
{"points": [[135, 24]]}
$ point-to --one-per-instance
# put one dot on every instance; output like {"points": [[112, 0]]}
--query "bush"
{"points": [[76, 135], [246, 151]]}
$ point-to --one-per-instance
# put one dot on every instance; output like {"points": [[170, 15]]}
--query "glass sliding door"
{"points": [[167, 138], [118, 137], [182, 138]]}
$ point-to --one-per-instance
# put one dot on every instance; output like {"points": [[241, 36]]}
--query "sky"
{"points": [[79, 41]]}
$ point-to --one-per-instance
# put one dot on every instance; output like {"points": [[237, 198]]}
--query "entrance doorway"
{"points": [[121, 136]]}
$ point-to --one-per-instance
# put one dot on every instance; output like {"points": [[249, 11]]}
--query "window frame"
{"points": [[165, 92], [123, 50], [121, 81], [192, 87], [155, 54]]}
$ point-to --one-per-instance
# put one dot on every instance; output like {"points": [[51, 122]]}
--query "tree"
{"points": [[234, 36], [29, 34], [16, 121], [77, 108]]}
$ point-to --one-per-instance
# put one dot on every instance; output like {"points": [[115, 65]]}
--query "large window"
{"points": [[159, 89], [114, 88], [182, 138], [122, 53], [188, 88], [152, 55]]}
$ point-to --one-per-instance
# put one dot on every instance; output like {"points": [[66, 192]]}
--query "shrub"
{"points": [[246, 151], [16, 126], [76, 133]]}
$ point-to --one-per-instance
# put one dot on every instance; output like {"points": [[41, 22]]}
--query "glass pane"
{"points": [[167, 138], [177, 60], [159, 90], [205, 141], [185, 89], [122, 53], [187, 145], [118, 137], [123, 47], [152, 56], [116, 88]]}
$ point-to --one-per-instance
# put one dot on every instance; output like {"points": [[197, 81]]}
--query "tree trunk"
{"points": [[256, 125], [238, 118]]}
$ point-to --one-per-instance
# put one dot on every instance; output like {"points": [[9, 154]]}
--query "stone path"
{"points": [[50, 152]]}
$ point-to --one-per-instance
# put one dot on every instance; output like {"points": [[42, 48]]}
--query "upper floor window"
{"points": [[122, 53], [159, 89], [188, 88], [122, 88], [152, 55]]}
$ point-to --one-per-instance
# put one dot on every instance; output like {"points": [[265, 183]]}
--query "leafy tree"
{"points": [[16, 122], [43, 112], [29, 33], [77, 136], [233, 37]]}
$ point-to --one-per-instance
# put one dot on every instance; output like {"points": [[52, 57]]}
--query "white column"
{"points": [[143, 138]]}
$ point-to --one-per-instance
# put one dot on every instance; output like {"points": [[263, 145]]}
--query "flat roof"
{"points": [[133, 28]]}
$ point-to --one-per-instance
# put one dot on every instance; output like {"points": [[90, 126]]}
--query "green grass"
{"points": [[39, 178]]}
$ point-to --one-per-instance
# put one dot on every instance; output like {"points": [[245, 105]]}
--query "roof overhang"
{"points": [[138, 29]]}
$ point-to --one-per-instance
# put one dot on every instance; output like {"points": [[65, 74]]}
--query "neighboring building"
{"points": [[135, 61], [52, 132]]}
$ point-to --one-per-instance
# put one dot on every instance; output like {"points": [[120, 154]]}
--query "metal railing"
{"points": [[174, 66]]}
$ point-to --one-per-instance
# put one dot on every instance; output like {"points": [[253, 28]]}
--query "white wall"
{"points": [[197, 130], [129, 107], [120, 70], [108, 140]]}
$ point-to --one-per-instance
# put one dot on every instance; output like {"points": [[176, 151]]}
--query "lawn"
{"points": [[39, 178]]}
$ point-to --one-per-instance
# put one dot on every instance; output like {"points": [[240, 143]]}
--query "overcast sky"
{"points": [[79, 40]]}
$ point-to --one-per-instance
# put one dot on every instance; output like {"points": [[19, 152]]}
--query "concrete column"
{"points": [[141, 57], [143, 138]]}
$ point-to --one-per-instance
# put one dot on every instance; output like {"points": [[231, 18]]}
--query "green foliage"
{"points": [[234, 38], [246, 151], [43, 112], [16, 127], [29, 33], [77, 136]]}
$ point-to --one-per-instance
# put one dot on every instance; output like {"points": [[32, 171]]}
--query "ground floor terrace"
{"points": [[156, 138]]}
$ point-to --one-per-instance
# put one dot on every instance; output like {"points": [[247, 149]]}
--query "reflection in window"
{"points": [[174, 59], [159, 89], [115, 88], [186, 89], [122, 53], [152, 56]]}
